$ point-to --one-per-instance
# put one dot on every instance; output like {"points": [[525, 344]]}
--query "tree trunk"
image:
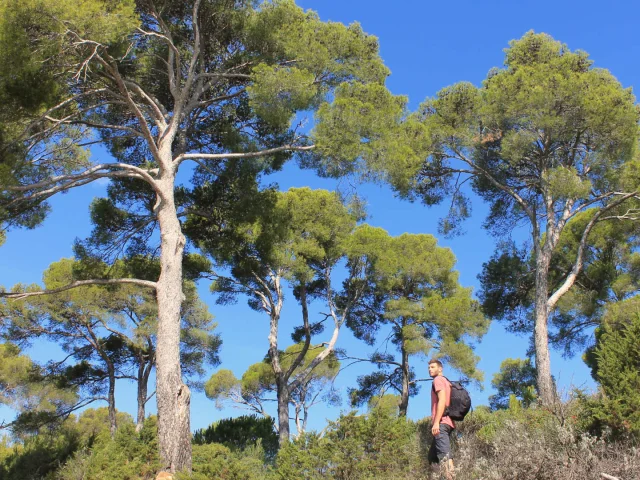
{"points": [[404, 398], [144, 369], [283, 410], [173, 396], [111, 400], [546, 393]]}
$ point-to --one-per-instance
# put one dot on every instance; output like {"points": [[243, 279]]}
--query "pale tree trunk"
{"points": [[299, 427], [404, 398], [274, 307], [541, 329], [305, 410], [173, 396]]}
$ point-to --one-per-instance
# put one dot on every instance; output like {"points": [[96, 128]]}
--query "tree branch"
{"points": [[578, 264], [218, 156], [80, 283]]}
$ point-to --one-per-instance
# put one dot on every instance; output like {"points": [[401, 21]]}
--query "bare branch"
{"points": [[498, 185], [578, 264], [80, 283], [218, 156]]}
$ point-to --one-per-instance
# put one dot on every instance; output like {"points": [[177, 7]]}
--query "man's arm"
{"points": [[442, 400]]}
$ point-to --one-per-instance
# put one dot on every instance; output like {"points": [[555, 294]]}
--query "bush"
{"points": [[240, 433], [516, 443], [129, 456], [378, 445], [40, 456], [215, 461], [615, 362]]}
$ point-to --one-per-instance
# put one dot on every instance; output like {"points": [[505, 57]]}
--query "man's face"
{"points": [[434, 369]]}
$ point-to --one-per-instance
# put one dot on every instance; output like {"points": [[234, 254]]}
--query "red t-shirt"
{"points": [[441, 383]]}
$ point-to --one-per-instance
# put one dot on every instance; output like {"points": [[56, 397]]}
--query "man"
{"points": [[442, 425]]}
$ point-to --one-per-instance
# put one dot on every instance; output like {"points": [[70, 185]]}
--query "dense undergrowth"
{"points": [[516, 443]]}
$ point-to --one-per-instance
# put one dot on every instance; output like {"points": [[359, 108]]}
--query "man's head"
{"points": [[435, 367]]}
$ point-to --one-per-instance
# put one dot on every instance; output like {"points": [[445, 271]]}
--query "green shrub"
{"points": [[379, 445], [128, 456], [40, 456], [615, 363], [216, 461], [240, 433]]}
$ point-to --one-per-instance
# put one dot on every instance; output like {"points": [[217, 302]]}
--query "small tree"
{"points": [[615, 364], [258, 386], [109, 332], [300, 241], [240, 433], [410, 286], [517, 378]]}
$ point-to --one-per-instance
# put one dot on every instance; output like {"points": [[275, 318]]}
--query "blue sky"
{"points": [[427, 45]]}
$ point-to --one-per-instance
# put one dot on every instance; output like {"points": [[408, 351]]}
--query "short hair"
{"points": [[436, 361]]}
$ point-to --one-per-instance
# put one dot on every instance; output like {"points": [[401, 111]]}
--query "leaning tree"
{"points": [[162, 83]]}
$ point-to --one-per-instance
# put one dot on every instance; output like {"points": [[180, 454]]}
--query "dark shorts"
{"points": [[441, 446]]}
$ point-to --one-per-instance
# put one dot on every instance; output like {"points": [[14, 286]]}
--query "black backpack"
{"points": [[460, 402]]}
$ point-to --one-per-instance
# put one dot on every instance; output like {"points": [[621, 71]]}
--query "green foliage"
{"points": [[128, 456], [387, 404], [409, 285], [283, 61], [217, 461], [94, 422], [277, 93], [220, 384], [41, 455], [615, 364], [69, 446], [360, 127], [240, 433], [258, 383], [302, 229], [26, 387], [555, 99], [516, 378], [610, 273], [367, 447], [118, 323], [488, 425], [543, 140]]}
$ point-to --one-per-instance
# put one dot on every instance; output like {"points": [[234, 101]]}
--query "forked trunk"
{"points": [[173, 396]]}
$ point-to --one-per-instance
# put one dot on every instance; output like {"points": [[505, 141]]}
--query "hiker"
{"points": [[441, 425]]}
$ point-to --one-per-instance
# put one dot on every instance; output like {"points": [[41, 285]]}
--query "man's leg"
{"points": [[442, 443]]}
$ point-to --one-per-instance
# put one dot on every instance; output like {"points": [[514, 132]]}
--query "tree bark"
{"points": [[173, 396], [546, 393], [283, 410], [111, 401], [144, 369], [404, 398]]}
